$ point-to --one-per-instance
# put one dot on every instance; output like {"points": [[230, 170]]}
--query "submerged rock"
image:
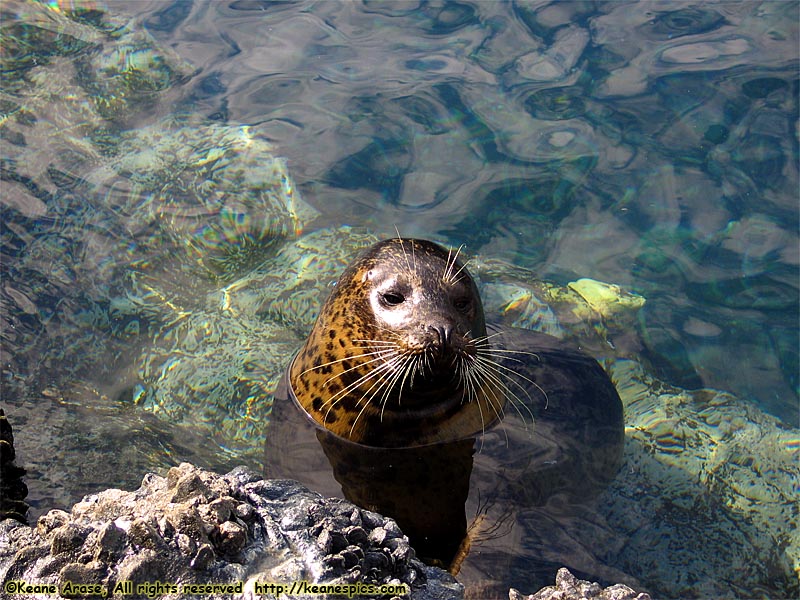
{"points": [[245, 535]]}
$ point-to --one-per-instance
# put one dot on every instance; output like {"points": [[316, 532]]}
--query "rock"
{"points": [[569, 587], [195, 527], [12, 488]]}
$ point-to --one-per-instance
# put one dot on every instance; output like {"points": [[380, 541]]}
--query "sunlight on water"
{"points": [[181, 183]]}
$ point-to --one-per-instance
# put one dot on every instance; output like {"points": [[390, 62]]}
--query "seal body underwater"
{"points": [[403, 400]]}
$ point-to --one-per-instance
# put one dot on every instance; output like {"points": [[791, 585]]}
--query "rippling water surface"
{"points": [[651, 145]]}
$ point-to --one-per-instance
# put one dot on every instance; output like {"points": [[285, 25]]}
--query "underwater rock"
{"points": [[606, 298], [599, 316], [727, 476], [102, 73], [194, 527], [229, 354], [218, 192], [114, 222], [569, 587]]}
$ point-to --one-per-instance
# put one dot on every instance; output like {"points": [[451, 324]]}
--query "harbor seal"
{"points": [[406, 402]]}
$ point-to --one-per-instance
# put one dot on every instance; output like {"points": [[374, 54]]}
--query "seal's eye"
{"points": [[392, 298], [462, 304]]}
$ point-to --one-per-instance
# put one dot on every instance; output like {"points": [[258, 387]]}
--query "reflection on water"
{"points": [[159, 265]]}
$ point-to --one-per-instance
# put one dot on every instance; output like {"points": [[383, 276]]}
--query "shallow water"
{"points": [[649, 145]]}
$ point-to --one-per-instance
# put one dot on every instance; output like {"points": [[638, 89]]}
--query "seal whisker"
{"points": [[470, 390], [483, 344], [447, 264], [333, 400], [358, 416], [407, 368], [496, 404], [386, 364], [485, 374], [368, 343], [486, 377], [386, 384], [451, 263], [505, 351], [531, 381], [492, 370], [489, 336], [390, 332], [426, 363], [455, 276], [338, 375], [495, 367], [349, 357], [412, 369], [401, 241], [382, 384], [341, 394], [485, 350], [380, 347], [452, 259]]}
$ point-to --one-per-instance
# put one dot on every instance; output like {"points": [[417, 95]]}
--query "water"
{"points": [[148, 310]]}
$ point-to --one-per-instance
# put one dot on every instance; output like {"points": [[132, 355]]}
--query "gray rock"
{"points": [[569, 587], [194, 527], [197, 527]]}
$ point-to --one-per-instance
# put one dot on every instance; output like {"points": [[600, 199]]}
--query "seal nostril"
{"points": [[444, 335]]}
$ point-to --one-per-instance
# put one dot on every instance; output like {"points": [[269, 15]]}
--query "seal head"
{"points": [[394, 358]]}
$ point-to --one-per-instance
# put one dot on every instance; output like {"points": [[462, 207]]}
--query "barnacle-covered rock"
{"points": [[196, 527]]}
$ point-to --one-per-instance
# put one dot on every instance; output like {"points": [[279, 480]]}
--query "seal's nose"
{"points": [[444, 336]]}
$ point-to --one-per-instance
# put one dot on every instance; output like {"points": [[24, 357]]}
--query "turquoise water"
{"points": [[649, 145]]}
